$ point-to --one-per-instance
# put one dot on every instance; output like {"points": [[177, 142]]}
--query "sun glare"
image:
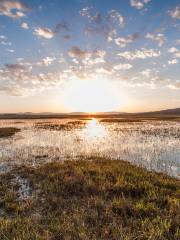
{"points": [[95, 95], [94, 129]]}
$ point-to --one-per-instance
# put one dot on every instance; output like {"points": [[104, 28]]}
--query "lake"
{"points": [[152, 144]]}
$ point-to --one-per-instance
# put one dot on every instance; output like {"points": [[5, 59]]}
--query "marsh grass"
{"points": [[120, 120], [59, 126], [90, 199], [8, 132]]}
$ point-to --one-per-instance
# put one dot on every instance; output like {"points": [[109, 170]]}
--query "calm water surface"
{"points": [[151, 144]]}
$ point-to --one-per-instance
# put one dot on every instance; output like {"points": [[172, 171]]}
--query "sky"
{"points": [[89, 55]]}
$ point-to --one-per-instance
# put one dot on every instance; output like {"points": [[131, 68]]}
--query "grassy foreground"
{"points": [[89, 200], [8, 132]]}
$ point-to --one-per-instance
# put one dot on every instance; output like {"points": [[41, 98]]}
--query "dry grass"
{"points": [[71, 125], [93, 199], [8, 132], [120, 120]]}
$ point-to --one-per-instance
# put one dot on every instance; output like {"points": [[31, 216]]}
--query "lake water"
{"points": [[151, 144]]}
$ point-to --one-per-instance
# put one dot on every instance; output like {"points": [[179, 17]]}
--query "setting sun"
{"points": [[95, 95]]}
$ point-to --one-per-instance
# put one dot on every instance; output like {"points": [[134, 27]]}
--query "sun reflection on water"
{"points": [[94, 129]]}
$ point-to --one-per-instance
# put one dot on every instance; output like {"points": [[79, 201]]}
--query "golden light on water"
{"points": [[94, 129]]}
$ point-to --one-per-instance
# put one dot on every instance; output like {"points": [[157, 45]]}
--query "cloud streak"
{"points": [[140, 54], [44, 32]]}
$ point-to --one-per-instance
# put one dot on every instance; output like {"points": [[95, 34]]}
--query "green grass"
{"points": [[88, 200], [8, 132]]}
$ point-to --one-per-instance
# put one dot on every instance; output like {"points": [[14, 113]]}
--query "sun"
{"points": [[92, 95]]}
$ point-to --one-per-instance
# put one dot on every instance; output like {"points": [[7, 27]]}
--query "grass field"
{"points": [[90, 199]]}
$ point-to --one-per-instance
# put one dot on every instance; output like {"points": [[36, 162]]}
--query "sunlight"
{"points": [[95, 95], [94, 129]]}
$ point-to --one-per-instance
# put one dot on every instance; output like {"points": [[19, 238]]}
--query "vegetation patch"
{"points": [[120, 120], [90, 199], [61, 126], [8, 132]]}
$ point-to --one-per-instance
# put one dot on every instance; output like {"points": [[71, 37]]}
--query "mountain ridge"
{"points": [[165, 112]]}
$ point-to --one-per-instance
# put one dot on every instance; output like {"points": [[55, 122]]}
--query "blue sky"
{"points": [[51, 51]]}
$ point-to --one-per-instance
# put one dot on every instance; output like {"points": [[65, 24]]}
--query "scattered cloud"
{"points": [[48, 33], [172, 50], [147, 73], [175, 52], [46, 61], [15, 67], [103, 24], [11, 50], [175, 13], [173, 61], [90, 13], [18, 79], [139, 4], [175, 85], [77, 52], [159, 37], [44, 32], [125, 66], [140, 54], [115, 16], [13, 9], [4, 41], [25, 25], [123, 41]]}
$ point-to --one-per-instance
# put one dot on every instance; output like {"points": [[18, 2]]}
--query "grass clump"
{"points": [[8, 132], [64, 126], [98, 199], [121, 120]]}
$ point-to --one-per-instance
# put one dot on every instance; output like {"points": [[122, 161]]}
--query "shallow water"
{"points": [[151, 144]]}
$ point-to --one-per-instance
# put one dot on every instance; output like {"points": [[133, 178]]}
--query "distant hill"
{"points": [[29, 115], [175, 111]]}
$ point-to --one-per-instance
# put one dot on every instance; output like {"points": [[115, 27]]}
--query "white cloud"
{"points": [[139, 4], [46, 61], [123, 41], [85, 12], [175, 13], [95, 57], [159, 37], [18, 79], [44, 32], [175, 85], [12, 9], [173, 61], [11, 50], [175, 51], [124, 66], [25, 25], [140, 54], [116, 16]]}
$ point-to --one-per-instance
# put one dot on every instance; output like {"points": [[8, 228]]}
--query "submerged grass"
{"points": [[61, 126], [90, 199], [8, 132]]}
